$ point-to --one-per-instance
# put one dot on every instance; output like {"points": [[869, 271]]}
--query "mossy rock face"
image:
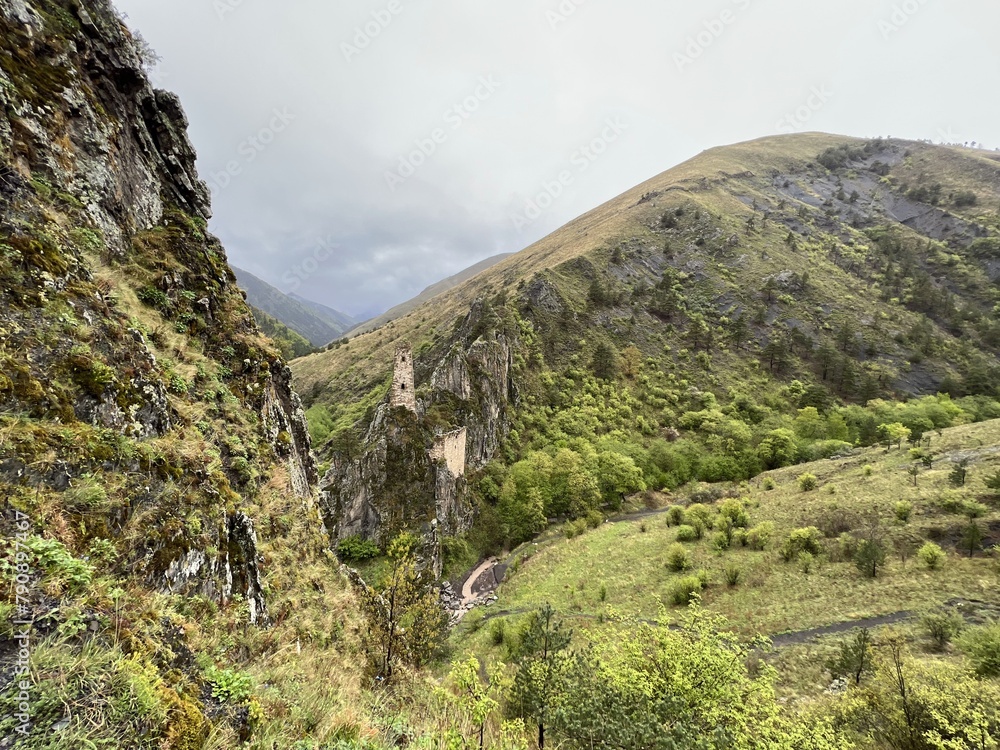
{"points": [[407, 491], [41, 252], [33, 64]]}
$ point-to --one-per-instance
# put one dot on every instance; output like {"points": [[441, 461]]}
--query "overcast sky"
{"points": [[359, 151]]}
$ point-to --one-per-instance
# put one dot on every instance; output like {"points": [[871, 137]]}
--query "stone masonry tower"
{"points": [[403, 387]]}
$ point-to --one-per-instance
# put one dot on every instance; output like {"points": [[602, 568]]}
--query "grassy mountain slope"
{"points": [[309, 321], [629, 560], [427, 294], [711, 304], [619, 574], [623, 242]]}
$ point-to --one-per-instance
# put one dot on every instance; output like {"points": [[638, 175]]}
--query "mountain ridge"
{"points": [[426, 295], [587, 232]]}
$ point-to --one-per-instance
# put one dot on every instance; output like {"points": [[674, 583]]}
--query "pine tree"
{"points": [[972, 537], [542, 663], [959, 474], [604, 363]]}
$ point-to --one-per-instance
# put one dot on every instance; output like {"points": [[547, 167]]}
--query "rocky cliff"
{"points": [[408, 472], [139, 406]]}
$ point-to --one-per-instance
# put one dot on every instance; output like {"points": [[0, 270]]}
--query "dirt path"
{"points": [[473, 588], [781, 640], [802, 636]]}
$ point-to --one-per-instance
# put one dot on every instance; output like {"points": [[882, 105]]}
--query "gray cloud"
{"points": [[373, 85]]}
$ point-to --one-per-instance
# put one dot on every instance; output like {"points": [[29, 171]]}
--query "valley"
{"points": [[715, 466]]}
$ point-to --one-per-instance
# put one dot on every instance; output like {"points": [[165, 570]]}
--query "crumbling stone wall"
{"points": [[451, 448]]}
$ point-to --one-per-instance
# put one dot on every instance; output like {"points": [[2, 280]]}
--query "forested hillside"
{"points": [[763, 304]]}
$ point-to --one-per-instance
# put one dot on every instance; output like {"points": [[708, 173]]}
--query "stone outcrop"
{"points": [[410, 473]]}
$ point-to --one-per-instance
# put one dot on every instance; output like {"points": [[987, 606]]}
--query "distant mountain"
{"points": [[316, 323], [432, 291], [327, 313]]}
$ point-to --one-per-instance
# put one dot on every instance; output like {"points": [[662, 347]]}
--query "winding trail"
{"points": [[778, 640], [472, 589]]}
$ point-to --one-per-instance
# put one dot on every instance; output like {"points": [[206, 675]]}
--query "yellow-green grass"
{"points": [[776, 596]]}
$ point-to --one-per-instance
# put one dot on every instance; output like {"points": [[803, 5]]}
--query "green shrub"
{"points": [[229, 686], [154, 298], [931, 556], [739, 538], [950, 501], [760, 536], [733, 575], [687, 533], [498, 631], [869, 470], [56, 562], [768, 484], [356, 549], [575, 528], [678, 559], [602, 593], [806, 561], [721, 541], [102, 551], [941, 627], [799, 541], [974, 509], [675, 515], [734, 511], [685, 590], [982, 647], [965, 198], [808, 482], [699, 515], [594, 519], [903, 510], [178, 385]]}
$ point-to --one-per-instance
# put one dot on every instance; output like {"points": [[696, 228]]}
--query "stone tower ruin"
{"points": [[403, 388], [450, 448]]}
